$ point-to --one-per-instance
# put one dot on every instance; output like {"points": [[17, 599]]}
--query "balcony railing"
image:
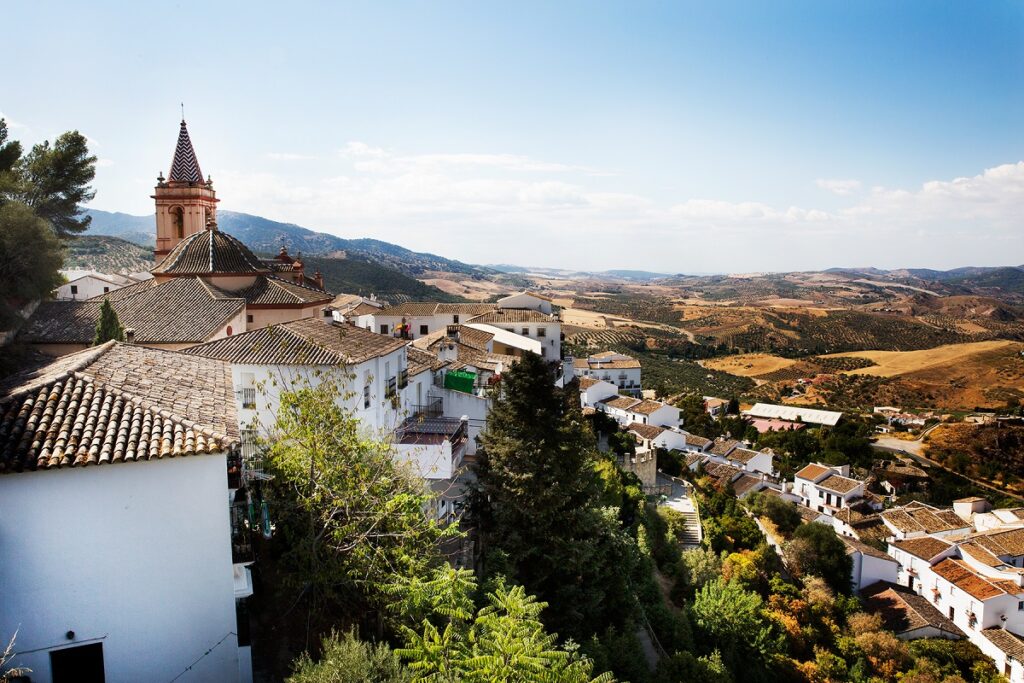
{"points": [[432, 408], [433, 430]]}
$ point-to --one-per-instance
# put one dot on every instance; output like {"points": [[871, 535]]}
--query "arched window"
{"points": [[178, 221]]}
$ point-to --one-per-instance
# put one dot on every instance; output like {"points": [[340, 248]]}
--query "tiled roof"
{"points": [[924, 547], [587, 382], [723, 447], [694, 457], [514, 315], [744, 484], [309, 341], [698, 441], [980, 554], [972, 583], [182, 310], [903, 610], [621, 402], [854, 545], [645, 431], [409, 308], [743, 455], [185, 165], [1008, 642], [268, 289], [116, 403], [421, 361], [1002, 541], [465, 309], [720, 471], [364, 309], [646, 407], [920, 517], [208, 252], [838, 484], [812, 471], [605, 364]]}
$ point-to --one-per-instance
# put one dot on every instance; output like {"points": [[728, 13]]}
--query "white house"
{"points": [[610, 366], [592, 391], [115, 535], [626, 410], [826, 489], [532, 300], [920, 519], [82, 285], [868, 564]]}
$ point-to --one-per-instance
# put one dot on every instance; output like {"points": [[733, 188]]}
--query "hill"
{"points": [[107, 255], [264, 235]]}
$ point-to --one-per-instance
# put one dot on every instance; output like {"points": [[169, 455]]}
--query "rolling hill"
{"points": [[264, 235], [107, 255]]}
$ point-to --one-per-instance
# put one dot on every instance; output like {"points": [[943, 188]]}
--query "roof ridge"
{"points": [[306, 340], [90, 355]]}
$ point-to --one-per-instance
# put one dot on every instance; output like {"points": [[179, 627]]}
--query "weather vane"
{"points": [[182, 111]]}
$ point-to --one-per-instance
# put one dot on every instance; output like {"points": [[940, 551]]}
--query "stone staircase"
{"points": [[692, 532]]}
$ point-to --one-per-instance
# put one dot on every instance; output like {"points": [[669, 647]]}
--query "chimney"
{"points": [[452, 332], [318, 276], [129, 335], [447, 352]]}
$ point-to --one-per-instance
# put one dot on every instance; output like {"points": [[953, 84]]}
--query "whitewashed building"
{"points": [[617, 368], [116, 553]]}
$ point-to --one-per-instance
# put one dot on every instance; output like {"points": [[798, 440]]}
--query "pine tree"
{"points": [[108, 326], [538, 503]]}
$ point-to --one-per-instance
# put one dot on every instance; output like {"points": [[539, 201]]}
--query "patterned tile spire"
{"points": [[185, 167]]}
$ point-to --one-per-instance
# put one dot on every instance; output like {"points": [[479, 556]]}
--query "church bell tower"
{"points": [[185, 203]]}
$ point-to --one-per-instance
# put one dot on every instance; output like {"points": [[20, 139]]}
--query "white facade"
{"points": [[133, 556], [85, 284], [826, 489], [868, 569], [526, 300], [598, 391]]}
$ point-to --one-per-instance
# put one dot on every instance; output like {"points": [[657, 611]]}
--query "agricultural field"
{"points": [[750, 364], [891, 363], [993, 453]]}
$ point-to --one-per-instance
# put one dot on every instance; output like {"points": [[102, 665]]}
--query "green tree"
{"points": [[350, 520], [30, 259], [782, 513], [732, 621], [538, 501], [55, 182], [815, 550], [108, 327], [346, 659], [504, 641]]}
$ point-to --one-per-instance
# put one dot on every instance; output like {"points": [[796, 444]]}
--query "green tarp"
{"points": [[460, 380]]}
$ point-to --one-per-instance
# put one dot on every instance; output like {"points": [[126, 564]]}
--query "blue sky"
{"points": [[678, 137]]}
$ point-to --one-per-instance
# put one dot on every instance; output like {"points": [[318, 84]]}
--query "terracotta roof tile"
{"points": [[812, 471], [904, 611], [646, 407], [116, 403], [209, 252], [838, 484], [645, 431], [621, 402], [513, 315], [972, 583], [723, 448], [271, 290], [924, 547], [182, 310], [1008, 642], [309, 341]]}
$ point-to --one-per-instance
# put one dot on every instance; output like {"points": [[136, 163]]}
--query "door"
{"points": [[82, 664]]}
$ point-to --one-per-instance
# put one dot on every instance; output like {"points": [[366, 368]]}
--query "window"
{"points": [[455, 319], [82, 664], [403, 379], [542, 332], [383, 329], [248, 318], [1020, 606], [178, 216], [392, 387], [366, 389], [229, 331], [424, 329], [106, 290], [74, 289], [951, 612], [526, 332]]}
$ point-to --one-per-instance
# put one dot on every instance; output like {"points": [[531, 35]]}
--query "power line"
{"points": [[204, 655]]}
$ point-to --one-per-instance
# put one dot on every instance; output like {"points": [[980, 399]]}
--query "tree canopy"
{"points": [[108, 327]]}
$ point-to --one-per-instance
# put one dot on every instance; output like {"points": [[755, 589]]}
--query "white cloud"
{"points": [[503, 207], [104, 163], [837, 186]]}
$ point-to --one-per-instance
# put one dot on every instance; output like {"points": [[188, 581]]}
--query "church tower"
{"points": [[185, 203]]}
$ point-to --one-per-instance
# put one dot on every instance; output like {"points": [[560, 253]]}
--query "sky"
{"points": [[664, 136]]}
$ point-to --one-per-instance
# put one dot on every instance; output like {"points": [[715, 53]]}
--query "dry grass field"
{"points": [[893, 363], [749, 364]]}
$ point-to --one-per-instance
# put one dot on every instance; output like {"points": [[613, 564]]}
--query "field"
{"points": [[891, 363], [749, 364]]}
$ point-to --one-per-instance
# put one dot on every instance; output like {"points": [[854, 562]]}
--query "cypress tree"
{"points": [[108, 326]]}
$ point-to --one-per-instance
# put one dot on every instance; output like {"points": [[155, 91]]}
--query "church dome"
{"points": [[210, 252]]}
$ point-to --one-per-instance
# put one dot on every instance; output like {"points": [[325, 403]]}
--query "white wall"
{"points": [[134, 555], [525, 300], [868, 569], [476, 408], [88, 286]]}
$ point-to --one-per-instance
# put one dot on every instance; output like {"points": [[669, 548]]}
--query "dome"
{"points": [[210, 252]]}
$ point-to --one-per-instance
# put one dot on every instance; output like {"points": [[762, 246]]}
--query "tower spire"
{"points": [[185, 166]]}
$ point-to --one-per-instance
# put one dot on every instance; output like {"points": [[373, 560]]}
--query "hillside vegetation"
{"points": [[107, 255]]}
